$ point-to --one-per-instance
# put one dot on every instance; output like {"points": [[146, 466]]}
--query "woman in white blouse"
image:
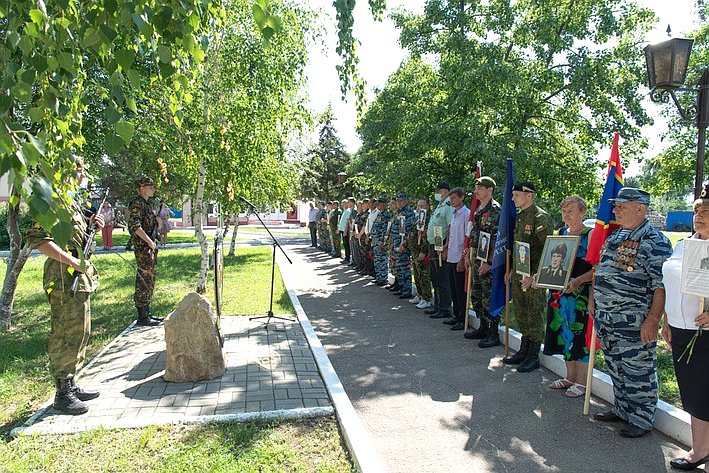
{"points": [[682, 319]]}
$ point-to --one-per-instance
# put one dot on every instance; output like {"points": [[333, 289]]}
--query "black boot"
{"points": [[493, 336], [144, 319], [531, 362], [82, 394], [150, 314], [518, 357], [66, 401], [480, 332]]}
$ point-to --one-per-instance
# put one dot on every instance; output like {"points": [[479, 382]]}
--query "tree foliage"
{"points": [[546, 83]]}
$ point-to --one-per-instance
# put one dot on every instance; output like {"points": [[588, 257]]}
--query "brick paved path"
{"points": [[269, 372]]}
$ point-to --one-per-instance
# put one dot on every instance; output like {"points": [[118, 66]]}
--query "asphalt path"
{"points": [[434, 402]]}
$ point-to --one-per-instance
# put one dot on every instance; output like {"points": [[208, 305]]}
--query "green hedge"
{"points": [[25, 224]]}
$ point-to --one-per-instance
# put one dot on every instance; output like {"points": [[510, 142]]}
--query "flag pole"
{"points": [[467, 289], [589, 373], [507, 304]]}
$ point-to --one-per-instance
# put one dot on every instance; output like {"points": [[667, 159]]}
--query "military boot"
{"points": [[144, 319], [480, 332], [82, 394], [518, 357], [66, 401], [531, 362], [493, 336]]}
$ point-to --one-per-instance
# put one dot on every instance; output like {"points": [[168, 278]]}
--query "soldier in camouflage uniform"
{"points": [[322, 238], [420, 260], [378, 233], [334, 226], [143, 227], [361, 222], [533, 225], [402, 254], [70, 313], [368, 249], [485, 219], [628, 301], [389, 245], [354, 244]]}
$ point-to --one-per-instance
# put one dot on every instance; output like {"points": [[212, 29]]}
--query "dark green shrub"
{"points": [[25, 224]]}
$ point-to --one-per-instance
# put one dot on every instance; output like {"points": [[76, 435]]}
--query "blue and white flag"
{"points": [[505, 234]]}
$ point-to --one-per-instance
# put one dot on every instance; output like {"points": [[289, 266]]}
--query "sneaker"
{"points": [[415, 300], [424, 304]]}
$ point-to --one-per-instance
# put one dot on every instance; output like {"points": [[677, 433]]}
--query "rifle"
{"points": [[90, 246]]}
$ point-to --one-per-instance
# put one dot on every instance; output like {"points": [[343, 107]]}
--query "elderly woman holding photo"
{"points": [[682, 319], [567, 315]]}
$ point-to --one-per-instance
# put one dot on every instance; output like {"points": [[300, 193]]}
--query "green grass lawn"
{"points": [[24, 379]]}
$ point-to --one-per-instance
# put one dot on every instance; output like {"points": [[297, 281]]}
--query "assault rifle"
{"points": [[90, 245]]}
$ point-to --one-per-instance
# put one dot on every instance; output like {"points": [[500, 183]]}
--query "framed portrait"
{"points": [[521, 258], [695, 268], [402, 225], [421, 219], [557, 259], [483, 251], [438, 237]]}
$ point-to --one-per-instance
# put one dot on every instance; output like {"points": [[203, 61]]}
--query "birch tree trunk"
{"points": [[233, 235], [15, 262], [201, 237]]}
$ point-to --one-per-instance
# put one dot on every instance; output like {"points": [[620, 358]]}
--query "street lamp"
{"points": [[341, 177], [667, 64]]}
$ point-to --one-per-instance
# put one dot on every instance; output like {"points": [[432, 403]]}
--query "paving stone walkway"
{"points": [[270, 371]]}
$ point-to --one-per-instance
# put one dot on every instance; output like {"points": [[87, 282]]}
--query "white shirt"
{"points": [[370, 221], [681, 309], [456, 235], [313, 214]]}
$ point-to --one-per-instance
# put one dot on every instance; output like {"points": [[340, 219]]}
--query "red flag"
{"points": [[605, 218], [473, 207]]}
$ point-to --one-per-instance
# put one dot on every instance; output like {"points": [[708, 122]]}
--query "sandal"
{"points": [[562, 383], [576, 390]]}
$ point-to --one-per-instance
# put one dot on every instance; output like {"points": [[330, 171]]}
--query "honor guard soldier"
{"points": [[143, 227], [420, 260], [334, 226], [485, 220], [378, 232], [404, 222], [533, 225], [628, 301], [70, 311]]}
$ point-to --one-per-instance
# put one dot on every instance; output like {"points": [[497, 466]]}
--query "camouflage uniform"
{"points": [[322, 230], [629, 271], [532, 226], [354, 245], [485, 219], [333, 225], [403, 259], [378, 234], [361, 222], [422, 269], [70, 315], [141, 215]]}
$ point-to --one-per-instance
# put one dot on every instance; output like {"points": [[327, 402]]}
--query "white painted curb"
{"points": [[356, 437], [673, 422]]}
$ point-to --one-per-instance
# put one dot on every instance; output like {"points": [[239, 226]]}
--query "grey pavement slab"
{"points": [[260, 369], [432, 401]]}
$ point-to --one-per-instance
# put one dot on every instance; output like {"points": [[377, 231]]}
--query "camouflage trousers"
{"points": [[335, 248], [71, 325], [145, 278], [530, 310], [422, 277], [481, 289], [403, 271], [632, 365], [381, 263], [322, 238]]}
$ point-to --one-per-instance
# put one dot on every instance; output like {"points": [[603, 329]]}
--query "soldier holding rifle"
{"points": [[143, 227]]}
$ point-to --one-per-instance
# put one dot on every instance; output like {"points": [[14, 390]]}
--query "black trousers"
{"points": [[457, 285], [441, 282], [313, 233], [346, 244]]}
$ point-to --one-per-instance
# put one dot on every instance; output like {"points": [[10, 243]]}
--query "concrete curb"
{"points": [[356, 437], [671, 421]]}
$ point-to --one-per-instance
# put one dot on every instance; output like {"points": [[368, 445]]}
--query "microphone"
{"points": [[246, 201]]}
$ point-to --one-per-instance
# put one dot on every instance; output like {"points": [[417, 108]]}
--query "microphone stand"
{"points": [[275, 244]]}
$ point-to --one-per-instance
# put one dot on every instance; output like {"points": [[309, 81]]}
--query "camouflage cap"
{"points": [[401, 196], [486, 181], [632, 194], [144, 181]]}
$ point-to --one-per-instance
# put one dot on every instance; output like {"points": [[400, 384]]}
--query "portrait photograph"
{"points": [[557, 259], [483, 252], [402, 225], [421, 220], [695, 267], [521, 258], [438, 238]]}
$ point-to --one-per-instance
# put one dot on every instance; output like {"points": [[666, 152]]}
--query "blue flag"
{"points": [[505, 233]]}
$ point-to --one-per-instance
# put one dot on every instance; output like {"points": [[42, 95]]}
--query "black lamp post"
{"points": [[341, 177], [666, 71]]}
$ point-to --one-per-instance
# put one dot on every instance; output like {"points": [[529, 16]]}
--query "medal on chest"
{"points": [[625, 254], [528, 229]]}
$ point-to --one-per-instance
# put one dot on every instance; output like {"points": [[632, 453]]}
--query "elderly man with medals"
{"points": [[627, 302]]}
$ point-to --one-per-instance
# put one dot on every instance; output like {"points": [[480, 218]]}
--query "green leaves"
{"points": [[268, 23], [125, 130]]}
